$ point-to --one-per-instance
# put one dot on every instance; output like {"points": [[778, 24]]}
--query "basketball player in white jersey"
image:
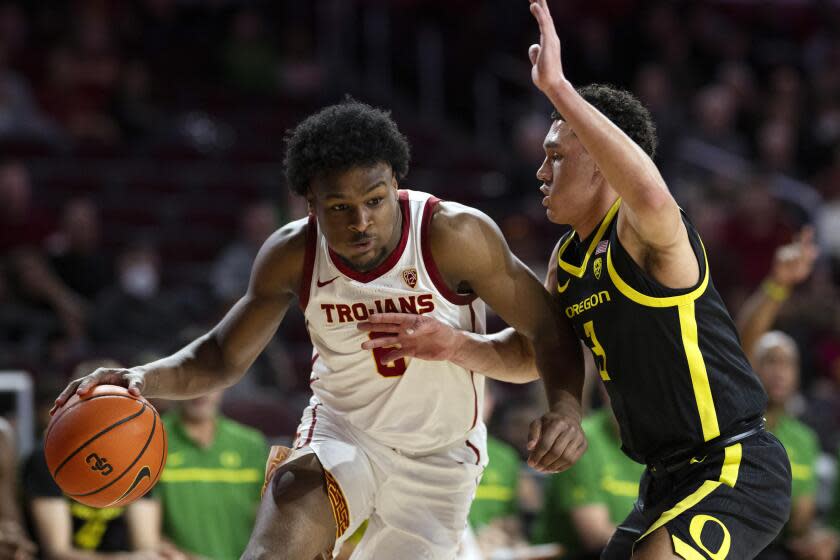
{"points": [[399, 442]]}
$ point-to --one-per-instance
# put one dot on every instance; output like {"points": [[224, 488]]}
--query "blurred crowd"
{"points": [[140, 171]]}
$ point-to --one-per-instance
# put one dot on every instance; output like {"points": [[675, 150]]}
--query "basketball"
{"points": [[106, 449]]}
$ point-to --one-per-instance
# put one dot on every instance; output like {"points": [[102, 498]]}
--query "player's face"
{"points": [[359, 213], [779, 374], [568, 176]]}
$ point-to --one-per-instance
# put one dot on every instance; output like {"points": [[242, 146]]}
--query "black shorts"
{"points": [[729, 504]]}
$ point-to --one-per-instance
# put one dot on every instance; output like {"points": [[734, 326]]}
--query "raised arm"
{"points": [[220, 357], [649, 219], [792, 264]]}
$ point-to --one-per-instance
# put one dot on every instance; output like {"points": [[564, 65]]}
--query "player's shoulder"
{"points": [[450, 218], [279, 263]]}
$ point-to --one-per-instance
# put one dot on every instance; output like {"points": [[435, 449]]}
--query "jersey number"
{"points": [[597, 349], [391, 369]]}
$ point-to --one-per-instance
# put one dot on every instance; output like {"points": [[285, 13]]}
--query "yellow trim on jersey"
{"points": [[728, 476], [697, 370], [494, 492], [232, 476], [651, 301], [579, 270], [685, 550]]}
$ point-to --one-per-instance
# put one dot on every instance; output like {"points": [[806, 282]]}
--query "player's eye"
{"points": [[338, 207], [375, 201]]}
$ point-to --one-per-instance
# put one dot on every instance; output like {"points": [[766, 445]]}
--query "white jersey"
{"points": [[411, 404]]}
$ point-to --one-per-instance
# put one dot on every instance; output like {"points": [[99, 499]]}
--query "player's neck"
{"points": [[593, 218]]}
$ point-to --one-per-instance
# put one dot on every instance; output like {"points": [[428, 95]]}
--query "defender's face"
{"points": [[567, 175], [779, 373], [358, 212]]}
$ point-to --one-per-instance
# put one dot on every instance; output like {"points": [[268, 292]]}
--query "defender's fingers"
{"points": [[551, 447], [533, 53], [380, 342], [65, 395], [534, 433]]}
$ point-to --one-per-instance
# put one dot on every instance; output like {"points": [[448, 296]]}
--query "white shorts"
{"points": [[417, 506]]}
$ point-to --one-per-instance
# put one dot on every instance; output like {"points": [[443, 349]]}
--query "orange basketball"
{"points": [[107, 449]]}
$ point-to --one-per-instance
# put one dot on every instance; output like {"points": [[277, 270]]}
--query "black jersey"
{"points": [[671, 360]]}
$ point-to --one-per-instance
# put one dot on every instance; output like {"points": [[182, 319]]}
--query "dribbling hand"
{"points": [[132, 379]]}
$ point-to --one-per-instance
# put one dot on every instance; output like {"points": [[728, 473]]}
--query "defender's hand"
{"points": [[416, 336], [556, 441], [547, 68], [793, 263], [132, 379]]}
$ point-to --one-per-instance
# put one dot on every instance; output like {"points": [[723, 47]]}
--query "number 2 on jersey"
{"points": [[391, 369], [597, 349]]}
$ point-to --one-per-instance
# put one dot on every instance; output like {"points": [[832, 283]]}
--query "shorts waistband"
{"points": [[674, 463]]}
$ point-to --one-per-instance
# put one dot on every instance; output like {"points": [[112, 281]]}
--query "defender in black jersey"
{"points": [[631, 280]]}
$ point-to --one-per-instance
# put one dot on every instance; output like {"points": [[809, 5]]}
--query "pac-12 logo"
{"points": [[409, 276], [100, 464], [597, 266]]}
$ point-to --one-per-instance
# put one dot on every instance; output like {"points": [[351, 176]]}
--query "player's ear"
{"points": [[310, 201]]}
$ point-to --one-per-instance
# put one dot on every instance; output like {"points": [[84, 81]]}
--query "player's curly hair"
{"points": [[340, 137], [624, 110]]}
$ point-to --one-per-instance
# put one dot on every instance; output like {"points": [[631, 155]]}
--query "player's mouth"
{"points": [[546, 190], [362, 246]]}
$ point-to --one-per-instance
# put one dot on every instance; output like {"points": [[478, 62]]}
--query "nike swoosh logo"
{"points": [[694, 460], [562, 287], [145, 472], [322, 284]]}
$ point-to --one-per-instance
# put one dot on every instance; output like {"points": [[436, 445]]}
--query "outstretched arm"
{"points": [[220, 357], [649, 220], [792, 264]]}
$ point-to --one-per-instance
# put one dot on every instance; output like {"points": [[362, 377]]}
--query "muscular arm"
{"points": [[649, 224], [220, 357], [223, 355]]}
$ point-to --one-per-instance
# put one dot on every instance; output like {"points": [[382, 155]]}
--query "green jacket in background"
{"points": [[210, 496], [604, 475], [496, 495]]}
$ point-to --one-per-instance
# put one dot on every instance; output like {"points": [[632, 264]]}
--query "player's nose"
{"points": [[543, 172], [360, 219]]}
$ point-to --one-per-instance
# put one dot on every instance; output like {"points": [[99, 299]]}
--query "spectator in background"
{"points": [[232, 269], [14, 542], [22, 231], [494, 514], [75, 251], [68, 530], [775, 358], [210, 487], [249, 58], [583, 505], [135, 313]]}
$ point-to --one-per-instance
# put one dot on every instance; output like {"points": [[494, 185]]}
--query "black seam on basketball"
{"points": [[104, 431], [62, 411], [162, 456], [128, 468]]}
